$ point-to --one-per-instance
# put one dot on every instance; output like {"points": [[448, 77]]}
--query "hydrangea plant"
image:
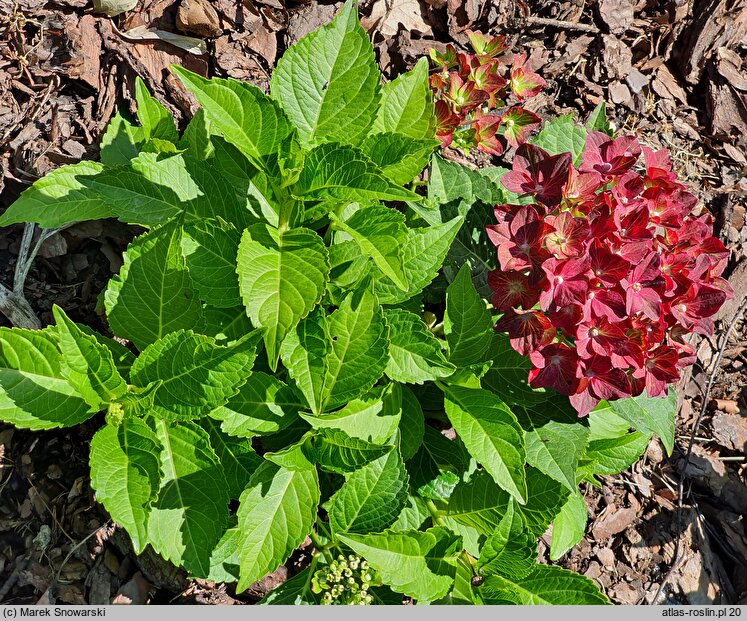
{"points": [[300, 326]]}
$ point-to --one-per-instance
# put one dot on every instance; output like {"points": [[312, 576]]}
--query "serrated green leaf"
{"points": [[491, 434], [381, 234], [226, 555], [413, 516], [121, 141], [236, 455], [546, 585], [328, 82], [468, 325], [562, 135], [478, 503], [282, 277], [155, 120], [126, 474], [373, 417], [415, 354], [412, 424], [33, 391], [424, 254], [196, 375], [191, 512], [546, 498], [304, 352], [210, 248], [87, 364], [510, 550], [340, 172], [276, 513], [407, 105], [398, 156], [60, 197], [263, 405], [372, 497], [359, 349], [613, 455], [650, 415], [419, 564], [225, 325], [196, 137], [569, 525], [508, 376], [598, 120], [242, 114], [153, 294], [555, 442], [463, 594], [438, 466], [336, 451], [449, 181]]}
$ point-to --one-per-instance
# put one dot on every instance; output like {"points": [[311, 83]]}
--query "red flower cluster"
{"points": [[619, 267], [468, 86]]}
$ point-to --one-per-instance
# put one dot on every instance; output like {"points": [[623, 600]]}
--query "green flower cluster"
{"points": [[344, 581]]}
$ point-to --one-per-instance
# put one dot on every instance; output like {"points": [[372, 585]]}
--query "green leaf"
{"points": [[210, 248], [510, 550], [304, 352], [613, 455], [398, 156], [373, 417], [263, 405], [419, 564], [295, 591], [412, 425], [569, 526], [336, 451], [339, 172], [415, 355], [276, 513], [413, 516], [478, 503], [87, 364], [196, 375], [407, 105], [191, 512], [650, 415], [381, 234], [121, 141], [449, 181], [491, 434], [562, 135], [155, 120], [282, 277], [438, 465], [34, 394], [555, 442], [359, 349], [463, 594], [468, 325], [226, 555], [196, 137], [328, 82], [126, 473], [153, 294], [225, 325], [424, 254], [546, 585], [508, 376], [236, 455], [546, 499], [371, 498], [242, 114], [598, 120], [60, 197]]}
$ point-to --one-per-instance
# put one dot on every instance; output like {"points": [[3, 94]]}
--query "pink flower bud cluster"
{"points": [[606, 273], [467, 87]]}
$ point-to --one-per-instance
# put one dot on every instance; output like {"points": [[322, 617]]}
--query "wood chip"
{"points": [[198, 17], [612, 521], [730, 431], [617, 14]]}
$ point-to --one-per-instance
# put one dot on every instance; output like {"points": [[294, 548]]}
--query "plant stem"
{"points": [[324, 549], [17, 310], [435, 513]]}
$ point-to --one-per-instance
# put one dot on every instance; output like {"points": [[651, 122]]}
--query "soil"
{"points": [[671, 529]]}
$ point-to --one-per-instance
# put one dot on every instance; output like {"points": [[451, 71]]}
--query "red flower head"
{"points": [[518, 123], [569, 237], [659, 370], [512, 290], [487, 48], [447, 59], [607, 156], [486, 126], [464, 96], [519, 240], [555, 367], [538, 173], [527, 331]]}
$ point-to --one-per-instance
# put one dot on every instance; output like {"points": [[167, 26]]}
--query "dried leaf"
{"points": [[113, 7], [143, 33], [387, 16]]}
